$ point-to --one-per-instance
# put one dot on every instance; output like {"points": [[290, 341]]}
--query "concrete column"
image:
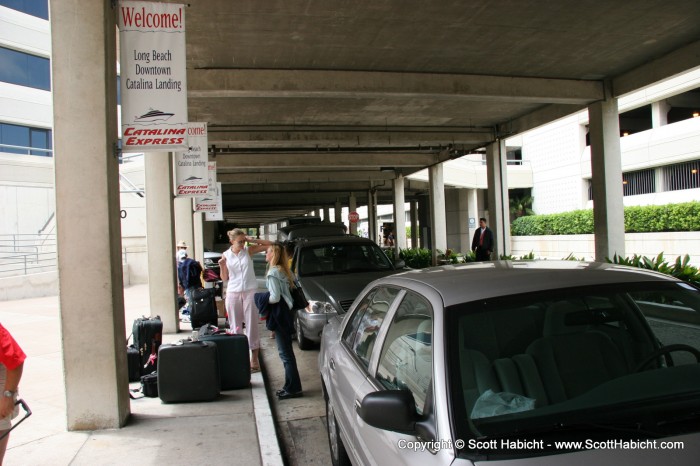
{"points": [[438, 220], [499, 210], [372, 215], [424, 215], [87, 215], [659, 180], [399, 215], [465, 239], [326, 213], [606, 170], [473, 215], [198, 232], [414, 223], [659, 113], [338, 211], [352, 206], [184, 226], [160, 238]]}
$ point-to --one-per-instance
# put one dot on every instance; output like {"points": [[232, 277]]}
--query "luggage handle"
{"points": [[27, 413]]}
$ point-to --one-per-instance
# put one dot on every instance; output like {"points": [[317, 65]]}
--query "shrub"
{"points": [[638, 219], [416, 258]]}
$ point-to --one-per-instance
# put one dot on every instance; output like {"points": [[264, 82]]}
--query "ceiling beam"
{"points": [[222, 83], [333, 160], [306, 176], [345, 137], [539, 117], [679, 61]]}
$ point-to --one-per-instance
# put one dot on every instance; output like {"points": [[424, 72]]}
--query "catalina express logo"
{"points": [[153, 116]]}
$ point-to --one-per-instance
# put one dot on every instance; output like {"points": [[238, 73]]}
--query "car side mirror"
{"points": [[392, 410]]}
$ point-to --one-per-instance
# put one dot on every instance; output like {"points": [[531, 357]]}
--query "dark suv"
{"points": [[332, 271]]}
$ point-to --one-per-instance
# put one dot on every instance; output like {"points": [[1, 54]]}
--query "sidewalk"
{"points": [[237, 428]]}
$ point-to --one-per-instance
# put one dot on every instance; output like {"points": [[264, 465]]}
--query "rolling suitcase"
{"points": [[188, 371], [148, 335], [203, 308], [234, 360], [134, 363]]}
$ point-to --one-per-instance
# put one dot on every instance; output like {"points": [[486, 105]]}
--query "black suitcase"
{"points": [[148, 335], [234, 360], [134, 363], [188, 371], [149, 385], [203, 308]]}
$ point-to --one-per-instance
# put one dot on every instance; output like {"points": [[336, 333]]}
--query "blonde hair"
{"points": [[235, 233], [279, 260]]}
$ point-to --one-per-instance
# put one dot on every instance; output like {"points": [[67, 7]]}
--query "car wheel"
{"points": [[303, 342], [339, 457]]}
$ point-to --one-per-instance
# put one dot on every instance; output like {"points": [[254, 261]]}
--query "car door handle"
{"points": [[331, 363]]}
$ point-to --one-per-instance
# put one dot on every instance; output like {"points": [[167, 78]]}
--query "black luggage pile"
{"points": [[188, 370], [142, 355]]}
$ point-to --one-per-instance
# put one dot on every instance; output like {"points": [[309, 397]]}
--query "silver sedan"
{"points": [[533, 362]]}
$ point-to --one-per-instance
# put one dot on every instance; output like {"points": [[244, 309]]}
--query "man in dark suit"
{"points": [[482, 243]]}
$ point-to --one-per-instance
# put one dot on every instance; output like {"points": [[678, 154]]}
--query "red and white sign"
{"points": [[353, 217], [153, 76], [191, 167]]}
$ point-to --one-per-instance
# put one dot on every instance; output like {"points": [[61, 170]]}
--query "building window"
{"points": [[635, 121], [633, 183], [24, 69], [17, 139], [38, 8], [638, 182], [684, 106], [682, 176]]}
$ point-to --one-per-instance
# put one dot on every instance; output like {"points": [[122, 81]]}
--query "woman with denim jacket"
{"points": [[280, 319]]}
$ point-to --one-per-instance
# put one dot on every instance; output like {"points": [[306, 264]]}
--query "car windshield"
{"points": [[341, 258], [574, 363]]}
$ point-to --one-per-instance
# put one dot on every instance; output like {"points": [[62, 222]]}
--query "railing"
{"points": [[22, 254], [23, 150]]}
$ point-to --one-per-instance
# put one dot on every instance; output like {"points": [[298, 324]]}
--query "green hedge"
{"points": [[638, 219]]}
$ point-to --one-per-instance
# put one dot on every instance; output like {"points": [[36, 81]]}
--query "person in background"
{"points": [[482, 243], [280, 319], [236, 265], [188, 275], [181, 246], [11, 365]]}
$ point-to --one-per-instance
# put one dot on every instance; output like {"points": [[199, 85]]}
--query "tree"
{"points": [[521, 206]]}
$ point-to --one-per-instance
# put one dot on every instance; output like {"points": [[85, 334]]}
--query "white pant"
{"points": [[241, 309]]}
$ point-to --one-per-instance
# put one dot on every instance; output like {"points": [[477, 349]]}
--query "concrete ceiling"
{"points": [[307, 101]]}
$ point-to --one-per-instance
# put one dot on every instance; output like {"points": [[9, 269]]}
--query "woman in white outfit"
{"points": [[236, 265]]}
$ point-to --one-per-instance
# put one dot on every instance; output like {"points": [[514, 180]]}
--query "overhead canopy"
{"points": [[307, 101]]}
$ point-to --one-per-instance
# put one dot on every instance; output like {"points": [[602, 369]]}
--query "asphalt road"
{"points": [[300, 422]]}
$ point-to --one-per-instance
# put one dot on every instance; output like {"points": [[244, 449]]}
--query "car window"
{"points": [[361, 333], [576, 354], [406, 358], [671, 314], [341, 258]]}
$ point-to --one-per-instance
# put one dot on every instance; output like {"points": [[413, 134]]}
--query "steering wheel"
{"points": [[666, 350]]}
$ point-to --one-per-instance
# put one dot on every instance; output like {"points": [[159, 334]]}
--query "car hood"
{"points": [[339, 288]]}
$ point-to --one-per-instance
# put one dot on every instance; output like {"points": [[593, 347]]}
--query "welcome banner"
{"points": [[218, 213], [192, 167], [153, 76], [212, 178]]}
